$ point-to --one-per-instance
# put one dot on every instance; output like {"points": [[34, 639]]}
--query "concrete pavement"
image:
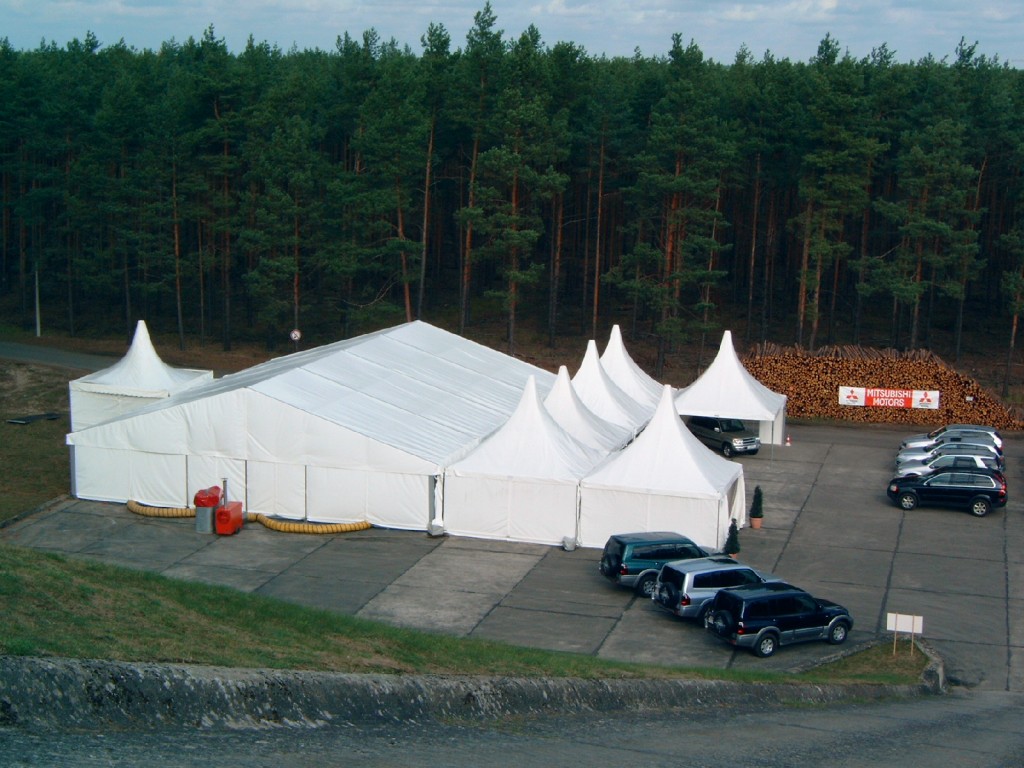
{"points": [[828, 528]]}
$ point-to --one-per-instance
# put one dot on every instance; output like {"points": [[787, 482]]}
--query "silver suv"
{"points": [[730, 436], [687, 588], [947, 461], [960, 433], [944, 449]]}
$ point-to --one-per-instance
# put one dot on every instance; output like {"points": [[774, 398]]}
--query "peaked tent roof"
{"points": [[666, 458], [627, 375], [726, 388], [574, 417], [141, 372], [416, 388], [530, 445], [600, 394]]}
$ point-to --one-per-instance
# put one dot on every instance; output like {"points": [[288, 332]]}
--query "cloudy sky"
{"points": [[787, 28]]}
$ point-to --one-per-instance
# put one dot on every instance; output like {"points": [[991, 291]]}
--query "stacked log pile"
{"points": [[811, 382]]}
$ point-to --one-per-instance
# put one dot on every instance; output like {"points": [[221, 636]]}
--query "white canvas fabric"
{"points": [[600, 394], [574, 417], [140, 377], [627, 375], [665, 480], [727, 389], [356, 430], [520, 483]]}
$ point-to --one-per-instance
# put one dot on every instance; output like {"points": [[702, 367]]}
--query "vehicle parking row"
{"points": [[958, 465], [735, 602]]}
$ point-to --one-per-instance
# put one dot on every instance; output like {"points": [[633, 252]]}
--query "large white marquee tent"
{"points": [[140, 377], [416, 428], [356, 430], [728, 389]]}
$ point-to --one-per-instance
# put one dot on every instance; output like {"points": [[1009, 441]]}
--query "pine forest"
{"points": [[234, 197]]}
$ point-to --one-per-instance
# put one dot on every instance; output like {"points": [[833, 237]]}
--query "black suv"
{"points": [[634, 559], [978, 490], [765, 616]]}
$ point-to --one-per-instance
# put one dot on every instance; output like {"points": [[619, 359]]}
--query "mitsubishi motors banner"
{"points": [[889, 398]]}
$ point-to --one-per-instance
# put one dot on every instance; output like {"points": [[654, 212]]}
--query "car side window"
{"points": [[648, 552], [683, 551], [946, 478], [734, 578], [806, 604], [758, 609], [703, 581]]}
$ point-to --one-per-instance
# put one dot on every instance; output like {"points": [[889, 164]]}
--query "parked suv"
{"points": [[765, 616], [946, 461], [962, 433], [686, 588], [977, 490], [959, 449], [729, 436], [634, 559]]}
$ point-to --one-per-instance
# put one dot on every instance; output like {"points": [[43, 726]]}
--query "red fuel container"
{"points": [[230, 518]]}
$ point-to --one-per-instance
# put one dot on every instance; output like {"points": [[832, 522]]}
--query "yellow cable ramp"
{"points": [[274, 524]]}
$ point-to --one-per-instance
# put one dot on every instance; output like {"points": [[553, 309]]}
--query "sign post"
{"points": [[901, 622]]}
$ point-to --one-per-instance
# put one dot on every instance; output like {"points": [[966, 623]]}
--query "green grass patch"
{"points": [[70, 607], [34, 465]]}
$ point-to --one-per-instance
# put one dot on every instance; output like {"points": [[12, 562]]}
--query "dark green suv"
{"points": [[634, 559]]}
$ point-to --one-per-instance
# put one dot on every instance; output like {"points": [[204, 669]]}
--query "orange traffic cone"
{"points": [[789, 441]]}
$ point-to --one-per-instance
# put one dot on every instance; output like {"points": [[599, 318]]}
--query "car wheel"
{"points": [[980, 506], [766, 645], [645, 585], [722, 621], [726, 450], [838, 633], [609, 565], [704, 610], [908, 500]]}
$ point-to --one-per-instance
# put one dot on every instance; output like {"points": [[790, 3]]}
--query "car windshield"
{"points": [[732, 425]]}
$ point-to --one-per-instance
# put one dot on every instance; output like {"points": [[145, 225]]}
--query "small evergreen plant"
{"points": [[757, 505], [732, 541]]}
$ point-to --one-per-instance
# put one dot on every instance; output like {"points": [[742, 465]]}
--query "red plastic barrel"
{"points": [[208, 497]]}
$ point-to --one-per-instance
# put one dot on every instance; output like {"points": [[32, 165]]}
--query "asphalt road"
{"points": [[976, 730]]}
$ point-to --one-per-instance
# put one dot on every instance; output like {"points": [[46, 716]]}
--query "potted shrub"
{"points": [[757, 508], [732, 540]]}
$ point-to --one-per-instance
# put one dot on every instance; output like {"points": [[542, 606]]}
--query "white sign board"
{"points": [[889, 398], [902, 622]]}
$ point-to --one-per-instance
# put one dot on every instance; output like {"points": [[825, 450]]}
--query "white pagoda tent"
{"points": [[727, 389], [665, 480], [139, 378], [520, 483]]}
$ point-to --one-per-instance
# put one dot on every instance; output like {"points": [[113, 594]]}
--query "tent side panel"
{"points": [[542, 513], [276, 489], [774, 432], [387, 499], [204, 471], [476, 506], [89, 408], [103, 474], [605, 512]]}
